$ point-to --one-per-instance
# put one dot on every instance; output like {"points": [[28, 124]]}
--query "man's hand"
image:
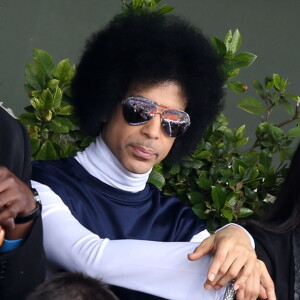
{"points": [[234, 258], [259, 284], [16, 199]]}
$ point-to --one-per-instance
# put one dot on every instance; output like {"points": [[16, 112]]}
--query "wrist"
{"points": [[33, 213], [251, 240]]}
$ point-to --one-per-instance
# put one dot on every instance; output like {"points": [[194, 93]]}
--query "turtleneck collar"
{"points": [[100, 162]]}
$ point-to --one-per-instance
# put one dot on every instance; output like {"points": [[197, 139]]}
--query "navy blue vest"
{"points": [[116, 214]]}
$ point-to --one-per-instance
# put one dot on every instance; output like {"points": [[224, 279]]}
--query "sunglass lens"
{"points": [[175, 122], [137, 111]]}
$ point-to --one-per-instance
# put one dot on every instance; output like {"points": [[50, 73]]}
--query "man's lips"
{"points": [[144, 151]]}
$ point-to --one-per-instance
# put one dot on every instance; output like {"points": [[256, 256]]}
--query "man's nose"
{"points": [[153, 129]]}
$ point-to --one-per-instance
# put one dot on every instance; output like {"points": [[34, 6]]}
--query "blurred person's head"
{"points": [[72, 286]]}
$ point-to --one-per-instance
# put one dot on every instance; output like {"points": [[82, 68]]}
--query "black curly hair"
{"points": [[148, 49]]}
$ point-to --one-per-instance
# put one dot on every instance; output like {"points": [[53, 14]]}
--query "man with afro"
{"points": [[146, 87]]}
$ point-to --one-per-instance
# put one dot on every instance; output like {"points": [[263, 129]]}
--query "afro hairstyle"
{"points": [[149, 49]]}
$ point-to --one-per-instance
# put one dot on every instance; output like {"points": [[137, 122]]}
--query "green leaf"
{"points": [[288, 106], [203, 183], [157, 179], [231, 73], [47, 152], [252, 106], [293, 133], [196, 197], [166, 9], [53, 84], [293, 97], [44, 61], [287, 153], [263, 128], [60, 125], [280, 83], [245, 212], [175, 169], [269, 82], [258, 88], [276, 131], [63, 70], [66, 110], [28, 119], [236, 41], [229, 135], [236, 163], [199, 210], [46, 99], [219, 46], [35, 143], [236, 86], [265, 158], [242, 142], [231, 199], [35, 102], [34, 77], [251, 195], [204, 155], [228, 39], [240, 132], [250, 158], [57, 97], [228, 214], [218, 196], [194, 164], [69, 150], [241, 170], [243, 60], [248, 174]]}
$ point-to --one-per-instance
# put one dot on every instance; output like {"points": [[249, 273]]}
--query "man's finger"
{"points": [[2, 234], [263, 293], [267, 283], [202, 249], [245, 272]]}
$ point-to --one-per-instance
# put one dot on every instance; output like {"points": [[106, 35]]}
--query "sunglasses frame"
{"points": [[164, 121]]}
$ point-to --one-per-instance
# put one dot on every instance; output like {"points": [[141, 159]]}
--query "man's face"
{"points": [[140, 147]]}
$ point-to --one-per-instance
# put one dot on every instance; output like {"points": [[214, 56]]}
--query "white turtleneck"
{"points": [[99, 161]]}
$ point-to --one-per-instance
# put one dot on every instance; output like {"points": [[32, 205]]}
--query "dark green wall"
{"points": [[269, 29]]}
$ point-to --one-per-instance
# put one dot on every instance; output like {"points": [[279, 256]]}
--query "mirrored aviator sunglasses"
{"points": [[139, 110]]}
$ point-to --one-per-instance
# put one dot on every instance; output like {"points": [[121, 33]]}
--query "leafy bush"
{"points": [[52, 127], [220, 180]]}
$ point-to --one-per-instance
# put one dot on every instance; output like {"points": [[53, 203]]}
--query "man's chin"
{"points": [[139, 167]]}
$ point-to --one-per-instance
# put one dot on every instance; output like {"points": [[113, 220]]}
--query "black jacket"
{"points": [[276, 251]]}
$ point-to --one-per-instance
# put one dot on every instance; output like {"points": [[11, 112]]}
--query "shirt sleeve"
{"points": [[9, 245], [158, 268]]}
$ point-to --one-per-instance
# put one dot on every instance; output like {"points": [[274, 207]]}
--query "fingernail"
{"points": [[236, 287], [211, 276], [217, 287], [207, 286]]}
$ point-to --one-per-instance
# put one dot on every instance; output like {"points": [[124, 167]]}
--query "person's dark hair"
{"points": [[72, 286], [284, 216], [148, 49]]}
